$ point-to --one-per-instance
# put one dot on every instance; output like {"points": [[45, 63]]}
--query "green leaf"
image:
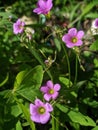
{"points": [[27, 83], [94, 46], [92, 15], [74, 11], [5, 80], [95, 128], [65, 81], [88, 7], [15, 110], [57, 44], [76, 116], [26, 114], [18, 126], [31, 78]]}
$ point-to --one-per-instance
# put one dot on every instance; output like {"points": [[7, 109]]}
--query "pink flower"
{"points": [[18, 27], [96, 23], [73, 38], [43, 6], [50, 90], [40, 112]]}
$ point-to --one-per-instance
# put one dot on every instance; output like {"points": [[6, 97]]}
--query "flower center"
{"points": [[74, 39], [41, 110], [51, 91]]}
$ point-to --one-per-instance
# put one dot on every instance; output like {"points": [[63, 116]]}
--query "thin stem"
{"points": [[61, 124], [76, 70], [67, 63], [53, 123]]}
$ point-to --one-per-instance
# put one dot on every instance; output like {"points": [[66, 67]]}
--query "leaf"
{"points": [[94, 46], [92, 15], [26, 114], [88, 7], [32, 77], [57, 44], [27, 83], [65, 81], [5, 80], [15, 110], [95, 128], [76, 116], [74, 11], [18, 126]]}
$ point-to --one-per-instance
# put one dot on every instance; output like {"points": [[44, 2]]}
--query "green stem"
{"points": [[58, 122], [76, 70], [53, 123], [67, 63]]}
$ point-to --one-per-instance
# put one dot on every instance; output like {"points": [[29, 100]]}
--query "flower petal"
{"points": [[38, 102], [49, 84], [44, 118], [55, 95], [70, 45], [44, 89], [49, 4], [72, 32], [47, 97], [36, 118], [32, 108], [80, 34], [49, 107], [79, 43], [37, 10], [42, 4], [57, 87], [66, 38]]}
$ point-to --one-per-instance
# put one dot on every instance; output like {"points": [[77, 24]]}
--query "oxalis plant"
{"points": [[57, 86]]}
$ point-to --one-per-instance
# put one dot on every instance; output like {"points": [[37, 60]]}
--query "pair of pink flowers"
{"points": [[40, 112]]}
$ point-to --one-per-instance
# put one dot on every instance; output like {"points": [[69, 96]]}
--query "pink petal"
{"points": [[70, 45], [47, 97], [79, 43], [49, 107], [66, 38], [49, 84], [72, 32], [38, 102], [31, 108], [44, 89], [44, 118], [36, 118], [80, 34], [42, 4], [49, 4], [57, 87], [55, 95], [37, 10]]}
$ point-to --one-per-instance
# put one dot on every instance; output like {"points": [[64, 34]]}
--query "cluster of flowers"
{"points": [[40, 111]]}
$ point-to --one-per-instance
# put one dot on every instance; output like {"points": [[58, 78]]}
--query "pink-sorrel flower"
{"points": [[73, 38], [18, 27], [50, 90], [43, 7], [40, 112], [96, 23]]}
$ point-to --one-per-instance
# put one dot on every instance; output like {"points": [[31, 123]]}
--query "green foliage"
{"points": [[23, 68]]}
